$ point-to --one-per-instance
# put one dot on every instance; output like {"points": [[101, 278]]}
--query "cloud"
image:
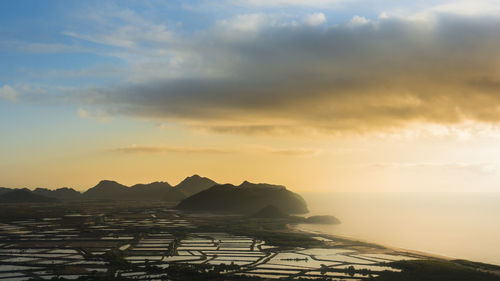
{"points": [[83, 113], [291, 151], [213, 150], [379, 75], [468, 8], [274, 74], [100, 116], [477, 168], [171, 149], [282, 3], [8, 93], [357, 21], [44, 48], [120, 27], [315, 19]]}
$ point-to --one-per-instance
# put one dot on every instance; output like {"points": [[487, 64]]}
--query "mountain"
{"points": [[270, 212], [156, 190], [158, 185], [64, 193], [194, 184], [246, 198], [112, 190], [109, 190], [24, 196], [4, 190]]}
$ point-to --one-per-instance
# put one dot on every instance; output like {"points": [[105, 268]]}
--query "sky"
{"points": [[320, 95]]}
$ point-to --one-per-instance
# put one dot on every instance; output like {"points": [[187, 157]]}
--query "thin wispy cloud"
{"points": [[171, 149], [161, 149], [315, 19], [476, 168], [100, 116], [8, 93]]}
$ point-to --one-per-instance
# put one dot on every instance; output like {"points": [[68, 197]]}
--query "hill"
{"points": [[63, 193], [246, 198], [24, 196], [108, 190], [4, 190], [114, 191], [194, 184], [111, 190], [156, 191], [270, 212]]}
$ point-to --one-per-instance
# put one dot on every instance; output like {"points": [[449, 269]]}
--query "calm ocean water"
{"points": [[459, 225]]}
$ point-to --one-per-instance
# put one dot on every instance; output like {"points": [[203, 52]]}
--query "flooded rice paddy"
{"points": [[73, 246]]}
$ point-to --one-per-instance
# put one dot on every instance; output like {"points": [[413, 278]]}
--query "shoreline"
{"points": [[437, 224], [384, 248], [294, 228]]}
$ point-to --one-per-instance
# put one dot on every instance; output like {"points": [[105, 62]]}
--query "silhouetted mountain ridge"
{"points": [[247, 184], [112, 190], [155, 191], [200, 193], [246, 198], [154, 185], [63, 193], [4, 189], [107, 189], [194, 184], [24, 196]]}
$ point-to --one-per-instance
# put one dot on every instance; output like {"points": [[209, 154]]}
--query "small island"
{"points": [[325, 219]]}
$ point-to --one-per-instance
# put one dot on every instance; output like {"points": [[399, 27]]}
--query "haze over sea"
{"points": [[458, 225]]}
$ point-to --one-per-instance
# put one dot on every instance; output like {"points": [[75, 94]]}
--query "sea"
{"points": [[456, 225]]}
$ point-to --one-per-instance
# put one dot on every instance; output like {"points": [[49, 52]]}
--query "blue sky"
{"points": [[47, 43], [39, 54]]}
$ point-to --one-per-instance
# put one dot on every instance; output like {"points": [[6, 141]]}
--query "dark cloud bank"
{"points": [[280, 78]]}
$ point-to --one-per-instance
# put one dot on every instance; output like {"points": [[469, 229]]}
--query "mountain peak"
{"points": [[60, 193], [24, 195], [194, 184], [193, 178], [154, 185], [247, 184], [106, 189], [107, 182]]}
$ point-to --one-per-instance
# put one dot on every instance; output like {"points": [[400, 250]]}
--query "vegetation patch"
{"points": [[433, 270]]}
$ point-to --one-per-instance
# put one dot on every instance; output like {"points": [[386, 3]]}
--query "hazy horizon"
{"points": [[298, 190], [453, 225]]}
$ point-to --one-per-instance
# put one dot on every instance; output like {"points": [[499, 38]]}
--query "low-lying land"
{"points": [[123, 241]]}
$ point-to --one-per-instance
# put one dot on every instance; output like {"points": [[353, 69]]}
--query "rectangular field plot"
{"points": [[148, 243]]}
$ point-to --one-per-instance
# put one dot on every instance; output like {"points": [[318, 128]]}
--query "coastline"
{"points": [[383, 248], [441, 224], [377, 248]]}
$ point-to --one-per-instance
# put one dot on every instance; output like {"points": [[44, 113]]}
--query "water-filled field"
{"points": [[70, 248]]}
